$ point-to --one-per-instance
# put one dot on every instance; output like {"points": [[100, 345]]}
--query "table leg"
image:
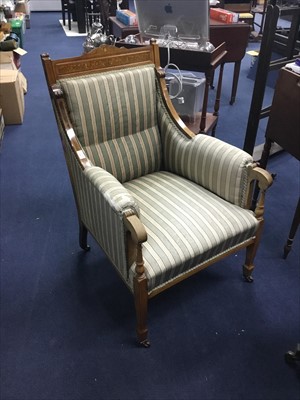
{"points": [[294, 227], [208, 77], [80, 15], [236, 74], [219, 89], [218, 97]]}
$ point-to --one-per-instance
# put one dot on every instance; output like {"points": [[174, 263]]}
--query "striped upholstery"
{"points": [[114, 116], [208, 161], [102, 202], [189, 193], [186, 225]]}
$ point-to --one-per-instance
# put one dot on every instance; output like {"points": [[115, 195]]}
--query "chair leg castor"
{"points": [[145, 343], [247, 274], [292, 356], [248, 279], [83, 237]]}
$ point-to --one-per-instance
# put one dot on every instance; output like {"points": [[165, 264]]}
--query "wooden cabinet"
{"points": [[284, 129], [284, 122]]}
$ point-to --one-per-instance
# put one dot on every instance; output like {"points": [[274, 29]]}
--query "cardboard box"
{"points": [[7, 57], [219, 14], [127, 17], [13, 85], [7, 60]]}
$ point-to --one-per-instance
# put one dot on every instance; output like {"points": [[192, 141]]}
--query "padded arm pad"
{"points": [[112, 190], [216, 165], [103, 204]]}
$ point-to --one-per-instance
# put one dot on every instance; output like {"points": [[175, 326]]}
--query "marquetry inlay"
{"points": [[89, 65]]}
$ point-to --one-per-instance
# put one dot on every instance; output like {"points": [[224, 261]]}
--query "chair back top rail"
{"points": [[103, 58]]}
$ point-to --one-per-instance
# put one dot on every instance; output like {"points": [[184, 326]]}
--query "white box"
{"points": [[189, 102]]}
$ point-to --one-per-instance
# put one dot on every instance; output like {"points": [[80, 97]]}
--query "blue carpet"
{"points": [[67, 320]]}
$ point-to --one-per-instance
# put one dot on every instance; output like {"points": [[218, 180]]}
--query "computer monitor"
{"points": [[181, 20]]}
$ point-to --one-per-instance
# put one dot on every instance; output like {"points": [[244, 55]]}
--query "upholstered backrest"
{"points": [[114, 115]]}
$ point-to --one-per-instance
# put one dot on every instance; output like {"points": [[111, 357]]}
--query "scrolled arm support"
{"points": [[139, 235], [136, 229], [263, 177], [264, 180]]}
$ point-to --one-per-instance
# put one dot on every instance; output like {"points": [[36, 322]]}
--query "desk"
{"points": [[284, 129], [235, 36]]}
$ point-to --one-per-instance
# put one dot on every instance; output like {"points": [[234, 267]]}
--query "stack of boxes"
{"points": [[13, 84]]}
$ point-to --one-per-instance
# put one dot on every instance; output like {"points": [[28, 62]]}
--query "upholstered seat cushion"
{"points": [[186, 225]]}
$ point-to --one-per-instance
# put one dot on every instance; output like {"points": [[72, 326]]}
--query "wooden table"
{"points": [[235, 36]]}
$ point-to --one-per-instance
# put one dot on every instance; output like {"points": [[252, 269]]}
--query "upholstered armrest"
{"points": [[105, 208], [216, 165], [112, 191], [212, 163]]}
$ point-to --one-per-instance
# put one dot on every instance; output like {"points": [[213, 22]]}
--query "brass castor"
{"points": [[292, 356], [145, 343], [248, 279], [247, 274]]}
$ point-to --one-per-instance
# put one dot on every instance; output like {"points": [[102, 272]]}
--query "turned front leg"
{"points": [[141, 299], [138, 235]]}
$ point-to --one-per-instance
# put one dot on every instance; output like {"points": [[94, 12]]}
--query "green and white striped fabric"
{"points": [[102, 202], [186, 225], [115, 118], [189, 193], [208, 161]]}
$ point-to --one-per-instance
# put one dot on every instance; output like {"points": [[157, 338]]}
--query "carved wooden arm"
{"points": [[138, 235], [136, 229], [64, 120], [263, 179]]}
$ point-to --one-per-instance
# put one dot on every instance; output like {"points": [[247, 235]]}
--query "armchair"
{"points": [[162, 202]]}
